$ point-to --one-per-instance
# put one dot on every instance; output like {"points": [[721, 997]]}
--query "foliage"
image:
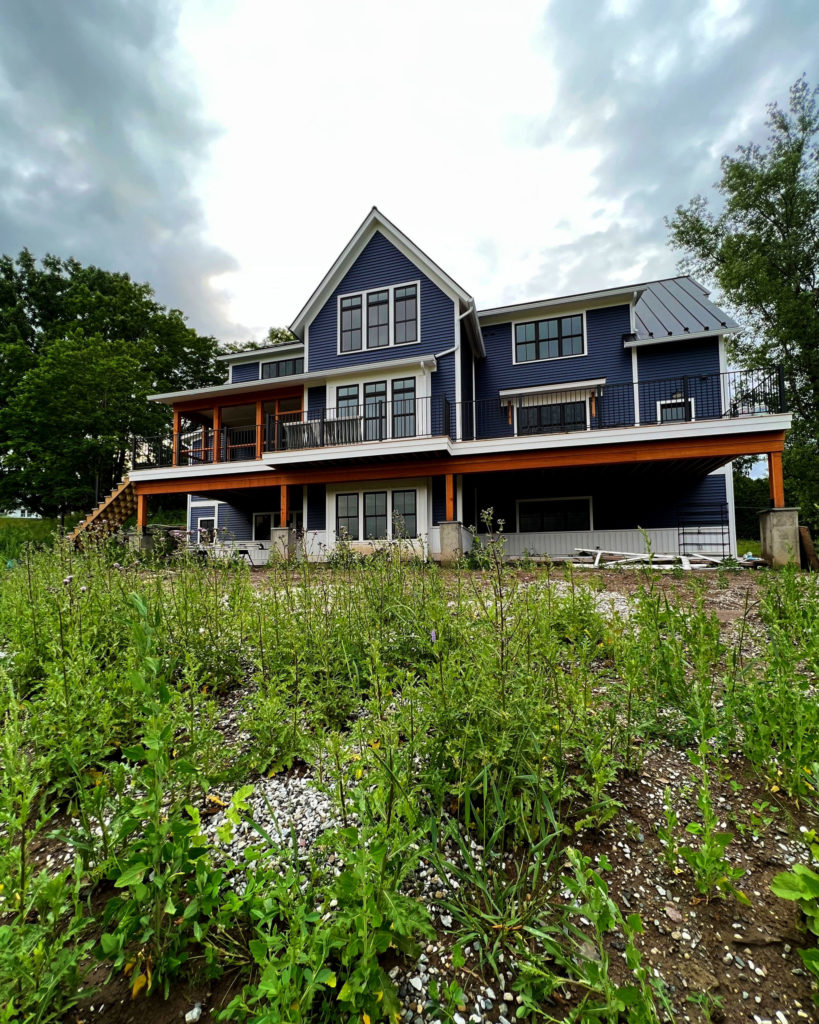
{"points": [[80, 350], [274, 336], [762, 251], [801, 885], [751, 496]]}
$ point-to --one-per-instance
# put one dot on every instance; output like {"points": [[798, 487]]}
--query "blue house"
{"points": [[402, 411]]}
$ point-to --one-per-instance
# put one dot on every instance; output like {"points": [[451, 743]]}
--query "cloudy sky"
{"points": [[225, 150]]}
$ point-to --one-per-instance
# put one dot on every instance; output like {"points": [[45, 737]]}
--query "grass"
{"points": [[470, 721], [753, 546], [16, 533]]}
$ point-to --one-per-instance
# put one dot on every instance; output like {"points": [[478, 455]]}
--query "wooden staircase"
{"points": [[110, 514]]}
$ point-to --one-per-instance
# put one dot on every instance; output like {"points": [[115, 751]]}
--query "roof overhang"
{"points": [[376, 221], [427, 362], [690, 336], [250, 355], [604, 297]]}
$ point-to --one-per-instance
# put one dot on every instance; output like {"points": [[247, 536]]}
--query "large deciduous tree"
{"points": [[761, 249], [80, 350]]}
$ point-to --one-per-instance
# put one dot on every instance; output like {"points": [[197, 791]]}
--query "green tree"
{"points": [[80, 350], [274, 336], [761, 250]]}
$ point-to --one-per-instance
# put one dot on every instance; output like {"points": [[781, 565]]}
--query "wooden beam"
{"points": [[217, 434], [259, 427], [285, 511], [723, 447], [776, 482], [248, 398], [450, 498], [142, 512], [176, 418]]}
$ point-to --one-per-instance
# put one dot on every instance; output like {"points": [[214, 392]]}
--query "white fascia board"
{"points": [[375, 221], [426, 362], [213, 470], [538, 389], [359, 450], [623, 435], [253, 354], [628, 295], [692, 336]]}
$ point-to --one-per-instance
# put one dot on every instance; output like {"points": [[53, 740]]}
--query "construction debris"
{"points": [[596, 557]]}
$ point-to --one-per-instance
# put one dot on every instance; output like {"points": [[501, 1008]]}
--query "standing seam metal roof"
{"points": [[675, 306]]}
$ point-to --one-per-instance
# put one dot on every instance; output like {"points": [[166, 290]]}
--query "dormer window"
{"points": [[554, 338], [391, 318]]}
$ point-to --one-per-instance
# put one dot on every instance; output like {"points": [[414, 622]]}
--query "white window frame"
{"points": [[549, 359], [364, 292], [675, 401], [422, 494], [389, 380], [263, 512], [568, 497], [200, 528]]}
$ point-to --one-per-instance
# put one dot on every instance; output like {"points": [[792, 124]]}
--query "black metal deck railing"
{"points": [[664, 401], [667, 401], [352, 424]]}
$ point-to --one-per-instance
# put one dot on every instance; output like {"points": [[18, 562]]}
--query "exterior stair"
{"points": [[110, 514]]}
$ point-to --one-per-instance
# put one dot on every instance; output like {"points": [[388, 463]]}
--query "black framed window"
{"points": [[378, 319], [351, 323], [549, 339], [283, 367], [375, 411], [552, 419], [206, 530], [375, 515], [675, 411], [262, 523], [347, 516], [554, 515], [403, 407], [406, 315], [404, 514], [347, 402]]}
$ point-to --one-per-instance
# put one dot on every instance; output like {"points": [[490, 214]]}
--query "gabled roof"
{"points": [[676, 307], [373, 222]]}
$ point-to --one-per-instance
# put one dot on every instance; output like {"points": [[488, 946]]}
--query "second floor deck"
{"points": [[589, 407]]}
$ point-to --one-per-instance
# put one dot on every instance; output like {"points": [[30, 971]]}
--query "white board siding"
{"points": [[663, 542]]}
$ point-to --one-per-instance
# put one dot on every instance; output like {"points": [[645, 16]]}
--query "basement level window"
{"points": [[554, 515]]}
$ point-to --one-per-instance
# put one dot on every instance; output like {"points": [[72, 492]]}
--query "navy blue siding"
{"points": [[243, 372], [686, 369], [234, 523], [316, 402], [379, 265], [200, 512], [438, 500], [650, 502], [443, 386], [316, 507], [466, 390]]}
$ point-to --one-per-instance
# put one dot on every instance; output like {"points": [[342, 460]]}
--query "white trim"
{"points": [[728, 471], [566, 497], [425, 362], [537, 389], [691, 336], [257, 353], [585, 298], [391, 343], [550, 359], [723, 355], [307, 349], [362, 487], [205, 501], [635, 376], [675, 401], [457, 354], [459, 497], [373, 222]]}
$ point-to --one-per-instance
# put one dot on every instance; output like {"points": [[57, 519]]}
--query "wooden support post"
{"points": [[204, 455], [142, 512], [775, 480], [217, 434], [259, 428], [176, 437], [285, 511], [450, 498]]}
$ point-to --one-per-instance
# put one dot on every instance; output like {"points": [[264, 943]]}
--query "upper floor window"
{"points": [[549, 339], [351, 323], [378, 319], [283, 367], [391, 318], [406, 315]]}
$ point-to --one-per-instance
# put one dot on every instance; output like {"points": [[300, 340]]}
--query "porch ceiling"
{"points": [[692, 456]]}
